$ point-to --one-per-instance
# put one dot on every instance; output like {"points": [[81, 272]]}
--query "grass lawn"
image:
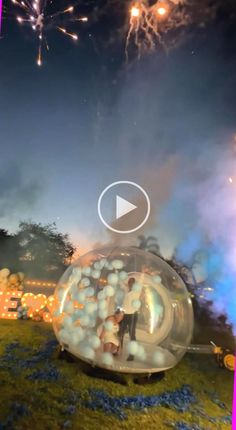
{"points": [[39, 392]]}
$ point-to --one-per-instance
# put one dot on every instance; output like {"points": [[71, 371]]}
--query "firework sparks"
{"points": [[149, 24], [41, 16], [145, 24]]}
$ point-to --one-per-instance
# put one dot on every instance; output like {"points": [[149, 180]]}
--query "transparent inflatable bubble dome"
{"points": [[123, 309]]}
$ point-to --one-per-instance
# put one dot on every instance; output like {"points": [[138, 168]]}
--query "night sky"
{"points": [[86, 118]]}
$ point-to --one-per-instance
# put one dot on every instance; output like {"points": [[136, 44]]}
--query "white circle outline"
{"points": [[140, 189]]}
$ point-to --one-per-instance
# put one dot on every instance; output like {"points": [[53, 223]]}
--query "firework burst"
{"points": [[150, 21], [41, 16]]}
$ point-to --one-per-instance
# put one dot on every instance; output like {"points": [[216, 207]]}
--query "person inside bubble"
{"points": [[130, 319], [110, 330]]}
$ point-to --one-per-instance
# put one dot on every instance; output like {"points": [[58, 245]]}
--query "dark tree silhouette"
{"points": [[149, 244], [9, 250], [43, 251]]}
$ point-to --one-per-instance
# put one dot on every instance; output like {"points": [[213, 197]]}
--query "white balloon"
{"points": [[141, 354], [84, 320], [107, 359], [96, 274], [77, 315], [81, 296], [87, 352], [69, 308], [113, 278], [101, 295], [4, 273], [85, 282], [97, 265], [74, 293], [90, 308], [117, 264], [76, 272], [103, 262], [92, 322], [137, 287], [108, 265], [158, 358], [102, 304], [64, 336], [123, 275], [133, 347], [80, 332], [74, 338], [67, 321], [109, 291], [119, 297], [94, 341], [89, 291], [103, 314]]}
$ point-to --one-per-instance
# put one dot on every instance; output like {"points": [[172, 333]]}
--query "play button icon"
{"points": [[123, 207]]}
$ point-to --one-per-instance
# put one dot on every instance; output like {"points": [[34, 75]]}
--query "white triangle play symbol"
{"points": [[123, 207]]}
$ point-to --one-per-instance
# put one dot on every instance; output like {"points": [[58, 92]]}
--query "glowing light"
{"points": [[135, 12], [35, 303], [8, 305], [39, 60], [230, 180], [161, 11], [70, 9], [72, 35]]}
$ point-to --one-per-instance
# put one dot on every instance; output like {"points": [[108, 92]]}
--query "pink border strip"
{"points": [[0, 15], [234, 401]]}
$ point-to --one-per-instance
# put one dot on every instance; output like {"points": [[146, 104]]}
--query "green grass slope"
{"points": [[38, 391]]}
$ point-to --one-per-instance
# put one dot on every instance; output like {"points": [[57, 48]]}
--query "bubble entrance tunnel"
{"points": [[123, 309]]}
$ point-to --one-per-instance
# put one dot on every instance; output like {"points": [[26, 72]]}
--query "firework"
{"points": [[149, 24], [42, 16]]}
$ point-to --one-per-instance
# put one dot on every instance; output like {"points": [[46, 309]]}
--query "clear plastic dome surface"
{"points": [[123, 309]]}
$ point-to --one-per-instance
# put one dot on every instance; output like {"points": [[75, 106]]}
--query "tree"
{"points": [[9, 250], [43, 251], [149, 244]]}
